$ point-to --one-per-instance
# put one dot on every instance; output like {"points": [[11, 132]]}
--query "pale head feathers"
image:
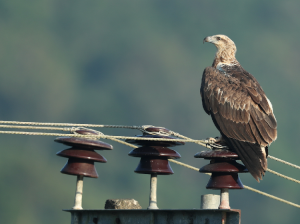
{"points": [[226, 49]]}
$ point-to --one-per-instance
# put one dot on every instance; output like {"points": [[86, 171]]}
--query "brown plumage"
{"points": [[238, 106]]}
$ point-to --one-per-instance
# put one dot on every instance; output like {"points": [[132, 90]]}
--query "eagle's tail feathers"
{"points": [[252, 155]]}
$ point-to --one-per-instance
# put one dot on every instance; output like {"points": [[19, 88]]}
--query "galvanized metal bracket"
{"points": [[160, 216]]}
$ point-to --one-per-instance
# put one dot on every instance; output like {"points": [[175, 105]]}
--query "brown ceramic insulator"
{"points": [[154, 143], [231, 167], [82, 154], [84, 143], [214, 154], [154, 151], [224, 180], [224, 169], [159, 166], [154, 154], [83, 167]]}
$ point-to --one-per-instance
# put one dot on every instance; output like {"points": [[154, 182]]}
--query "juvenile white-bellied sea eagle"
{"points": [[238, 106]]}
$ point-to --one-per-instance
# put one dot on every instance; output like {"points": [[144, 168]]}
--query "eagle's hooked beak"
{"points": [[207, 39]]}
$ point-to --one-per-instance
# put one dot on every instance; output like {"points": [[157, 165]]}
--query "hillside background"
{"points": [[137, 63]]}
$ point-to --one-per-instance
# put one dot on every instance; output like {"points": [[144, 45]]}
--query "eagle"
{"points": [[239, 107]]}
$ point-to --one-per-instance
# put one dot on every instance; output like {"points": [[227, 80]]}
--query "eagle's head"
{"points": [[222, 42], [226, 47]]}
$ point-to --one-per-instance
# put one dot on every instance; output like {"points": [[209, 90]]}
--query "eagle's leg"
{"points": [[216, 141]]}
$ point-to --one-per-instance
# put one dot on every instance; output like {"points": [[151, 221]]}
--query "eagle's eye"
{"points": [[218, 38]]}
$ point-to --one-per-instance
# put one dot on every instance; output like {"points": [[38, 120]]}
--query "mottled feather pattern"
{"points": [[236, 104]]}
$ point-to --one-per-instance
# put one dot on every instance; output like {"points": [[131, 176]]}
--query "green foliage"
{"points": [[135, 63]]}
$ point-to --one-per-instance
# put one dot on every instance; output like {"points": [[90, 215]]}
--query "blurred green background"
{"points": [[137, 63]]}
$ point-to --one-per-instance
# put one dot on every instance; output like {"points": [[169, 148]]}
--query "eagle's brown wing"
{"points": [[241, 111]]}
